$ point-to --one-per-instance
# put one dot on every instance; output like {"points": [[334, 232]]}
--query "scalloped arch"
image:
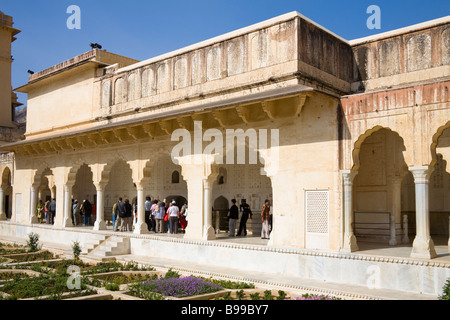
{"points": [[357, 145], [435, 141]]}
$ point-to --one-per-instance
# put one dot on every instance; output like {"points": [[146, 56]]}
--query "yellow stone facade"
{"points": [[362, 127]]}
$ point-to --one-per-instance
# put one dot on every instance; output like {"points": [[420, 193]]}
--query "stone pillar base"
{"points": [[350, 244], [34, 220], [423, 248], [209, 233], [67, 223], [100, 225], [141, 228], [3, 216]]}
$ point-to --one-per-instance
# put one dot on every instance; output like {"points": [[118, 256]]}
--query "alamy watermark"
{"points": [[373, 277], [74, 20], [223, 148], [74, 280], [374, 21]]}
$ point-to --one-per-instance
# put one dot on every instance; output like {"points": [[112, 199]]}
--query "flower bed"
{"points": [[179, 287], [43, 285], [6, 276], [12, 248], [103, 267], [30, 256], [114, 281], [35, 278]]}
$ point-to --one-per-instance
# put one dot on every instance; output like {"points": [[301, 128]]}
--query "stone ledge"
{"points": [[305, 252]]}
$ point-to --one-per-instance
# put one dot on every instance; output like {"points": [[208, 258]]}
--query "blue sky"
{"points": [[143, 29]]}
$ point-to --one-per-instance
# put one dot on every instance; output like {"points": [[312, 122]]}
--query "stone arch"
{"points": [[151, 161], [5, 193], [221, 205], [125, 189], [179, 200], [435, 141], [377, 187], [109, 162], [80, 189], [6, 176], [357, 145], [37, 176], [250, 181], [71, 175]]}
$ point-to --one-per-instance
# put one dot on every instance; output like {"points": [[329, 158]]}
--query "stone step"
{"points": [[94, 241], [112, 246]]}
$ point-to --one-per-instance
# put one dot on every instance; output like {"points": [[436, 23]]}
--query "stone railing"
{"points": [[413, 54], [274, 51]]}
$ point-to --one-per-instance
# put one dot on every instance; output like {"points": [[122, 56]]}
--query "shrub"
{"points": [[255, 296], [240, 294], [33, 242], [281, 295], [445, 291], [171, 274], [268, 295], [76, 249]]}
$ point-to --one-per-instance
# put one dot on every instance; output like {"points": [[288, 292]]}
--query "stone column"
{"points": [[199, 172], [141, 226], [33, 204], [100, 223], [208, 232], [423, 246], [396, 209], [2, 203], [349, 242], [67, 222]]}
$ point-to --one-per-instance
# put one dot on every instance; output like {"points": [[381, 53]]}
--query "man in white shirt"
{"points": [[174, 213]]}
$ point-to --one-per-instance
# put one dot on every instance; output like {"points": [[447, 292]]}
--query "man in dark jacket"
{"points": [[128, 217], [233, 216], [52, 208], [119, 212], [246, 212], [86, 208]]}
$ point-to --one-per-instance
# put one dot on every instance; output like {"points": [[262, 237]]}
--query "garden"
{"points": [[30, 273]]}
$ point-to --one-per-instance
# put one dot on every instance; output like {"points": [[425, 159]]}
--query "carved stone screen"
{"points": [[317, 216]]}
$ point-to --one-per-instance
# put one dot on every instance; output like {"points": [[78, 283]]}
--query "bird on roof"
{"points": [[95, 46]]}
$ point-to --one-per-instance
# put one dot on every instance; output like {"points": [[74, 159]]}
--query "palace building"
{"points": [[353, 139]]}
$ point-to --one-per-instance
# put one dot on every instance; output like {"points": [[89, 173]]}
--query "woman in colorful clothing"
{"points": [[265, 216], [40, 211]]}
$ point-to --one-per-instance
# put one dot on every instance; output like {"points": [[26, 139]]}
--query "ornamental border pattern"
{"points": [[305, 252]]}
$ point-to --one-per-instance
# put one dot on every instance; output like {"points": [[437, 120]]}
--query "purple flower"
{"points": [[180, 287]]}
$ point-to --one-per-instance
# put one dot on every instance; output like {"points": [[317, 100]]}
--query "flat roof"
{"points": [[230, 35], [396, 32]]}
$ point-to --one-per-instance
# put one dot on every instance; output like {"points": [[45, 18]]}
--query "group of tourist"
{"points": [[46, 211], [82, 210], [159, 216], [246, 212]]}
